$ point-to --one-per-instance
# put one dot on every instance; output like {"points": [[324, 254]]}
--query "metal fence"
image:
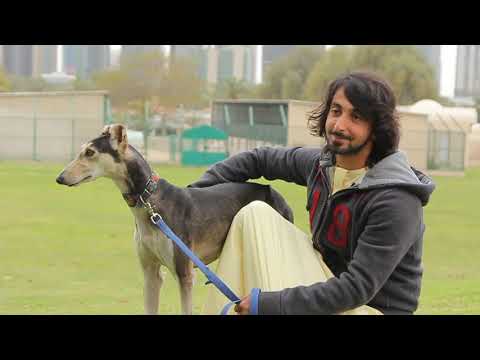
{"points": [[53, 137], [255, 122], [427, 150], [446, 150], [59, 137]]}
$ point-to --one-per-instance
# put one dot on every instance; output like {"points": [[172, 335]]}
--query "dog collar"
{"points": [[133, 200]]}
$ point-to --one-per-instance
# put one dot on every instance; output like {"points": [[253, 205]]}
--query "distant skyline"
{"points": [[449, 64], [447, 78]]}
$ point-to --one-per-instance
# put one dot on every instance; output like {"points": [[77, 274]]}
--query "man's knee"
{"points": [[249, 217], [256, 206], [254, 210]]}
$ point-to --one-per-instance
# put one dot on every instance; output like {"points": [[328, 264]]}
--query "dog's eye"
{"points": [[89, 153]]}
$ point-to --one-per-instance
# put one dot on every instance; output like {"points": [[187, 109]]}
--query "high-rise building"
{"points": [[98, 58], [138, 49], [185, 50], [224, 62], [249, 63], [18, 59], [115, 57], [44, 59], [75, 60], [29, 60], [236, 61], [1, 56], [199, 55], [272, 53], [84, 60], [467, 80], [432, 55], [210, 62]]}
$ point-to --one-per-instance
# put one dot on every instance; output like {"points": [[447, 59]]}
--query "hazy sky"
{"points": [[447, 80]]}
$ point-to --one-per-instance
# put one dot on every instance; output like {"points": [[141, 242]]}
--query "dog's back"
{"points": [[276, 201], [254, 191], [239, 195]]}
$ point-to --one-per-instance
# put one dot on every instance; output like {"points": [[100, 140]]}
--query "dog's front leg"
{"points": [[186, 289], [153, 281]]}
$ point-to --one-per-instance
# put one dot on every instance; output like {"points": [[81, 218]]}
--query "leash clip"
{"points": [[155, 216], [148, 206]]}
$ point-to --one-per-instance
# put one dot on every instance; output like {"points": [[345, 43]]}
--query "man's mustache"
{"points": [[340, 135]]}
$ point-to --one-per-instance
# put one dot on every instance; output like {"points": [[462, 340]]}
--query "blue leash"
{"points": [[212, 278]]}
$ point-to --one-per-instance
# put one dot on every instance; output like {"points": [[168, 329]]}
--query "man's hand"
{"points": [[243, 308]]}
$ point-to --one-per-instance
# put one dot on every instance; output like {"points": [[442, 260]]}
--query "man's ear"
{"points": [[118, 136]]}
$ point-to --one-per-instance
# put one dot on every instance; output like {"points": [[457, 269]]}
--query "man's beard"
{"points": [[350, 150]]}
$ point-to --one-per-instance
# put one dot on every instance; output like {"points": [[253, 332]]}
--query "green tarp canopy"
{"points": [[205, 132]]}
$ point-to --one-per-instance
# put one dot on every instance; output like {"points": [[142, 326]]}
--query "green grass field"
{"points": [[71, 250]]}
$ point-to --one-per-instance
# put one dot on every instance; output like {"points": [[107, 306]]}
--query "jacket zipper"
{"points": [[330, 199], [325, 206]]}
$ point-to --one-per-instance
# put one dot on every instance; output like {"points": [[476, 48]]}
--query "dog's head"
{"points": [[103, 156]]}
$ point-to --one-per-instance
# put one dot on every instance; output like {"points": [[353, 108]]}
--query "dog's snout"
{"points": [[61, 179]]}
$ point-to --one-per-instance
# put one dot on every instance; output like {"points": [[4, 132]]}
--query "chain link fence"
{"points": [[54, 137], [54, 127], [446, 150], [49, 126]]}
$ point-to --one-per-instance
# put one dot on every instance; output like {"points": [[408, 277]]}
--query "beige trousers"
{"points": [[264, 250]]}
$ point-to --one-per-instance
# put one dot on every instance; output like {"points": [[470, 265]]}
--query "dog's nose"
{"points": [[61, 180]]}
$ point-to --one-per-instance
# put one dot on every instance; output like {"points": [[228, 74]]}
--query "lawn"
{"points": [[71, 250]]}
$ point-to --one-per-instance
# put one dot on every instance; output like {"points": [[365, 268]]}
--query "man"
{"points": [[365, 205]]}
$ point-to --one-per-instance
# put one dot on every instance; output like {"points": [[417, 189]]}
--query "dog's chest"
{"points": [[154, 240]]}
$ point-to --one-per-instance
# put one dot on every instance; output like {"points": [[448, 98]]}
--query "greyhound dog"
{"points": [[201, 217]]}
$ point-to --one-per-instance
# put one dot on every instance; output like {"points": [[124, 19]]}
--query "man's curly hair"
{"points": [[375, 101]]}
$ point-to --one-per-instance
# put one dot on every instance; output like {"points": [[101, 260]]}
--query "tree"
{"points": [[147, 77], [21, 83], [234, 89], [84, 84], [445, 101], [335, 62], [139, 78], [410, 75], [115, 82], [132, 86], [292, 85], [403, 66], [5, 84], [182, 85], [477, 107], [285, 77], [144, 75]]}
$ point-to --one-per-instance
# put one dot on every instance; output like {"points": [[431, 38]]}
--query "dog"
{"points": [[201, 217]]}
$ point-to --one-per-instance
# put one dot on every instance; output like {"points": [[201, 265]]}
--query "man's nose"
{"points": [[341, 123]]}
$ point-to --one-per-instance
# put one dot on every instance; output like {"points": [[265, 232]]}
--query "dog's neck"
{"points": [[137, 174]]}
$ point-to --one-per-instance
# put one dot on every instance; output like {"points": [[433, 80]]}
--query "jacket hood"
{"points": [[394, 170]]}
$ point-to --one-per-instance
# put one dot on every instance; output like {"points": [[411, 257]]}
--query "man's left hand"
{"points": [[243, 308]]}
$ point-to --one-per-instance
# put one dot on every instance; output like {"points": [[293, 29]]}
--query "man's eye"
{"points": [[89, 153]]}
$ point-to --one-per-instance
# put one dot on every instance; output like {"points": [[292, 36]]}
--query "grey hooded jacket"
{"points": [[370, 234]]}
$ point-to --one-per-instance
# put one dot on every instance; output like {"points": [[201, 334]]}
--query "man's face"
{"points": [[347, 133]]}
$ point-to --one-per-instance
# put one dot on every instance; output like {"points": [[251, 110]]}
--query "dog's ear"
{"points": [[118, 136], [106, 130]]}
